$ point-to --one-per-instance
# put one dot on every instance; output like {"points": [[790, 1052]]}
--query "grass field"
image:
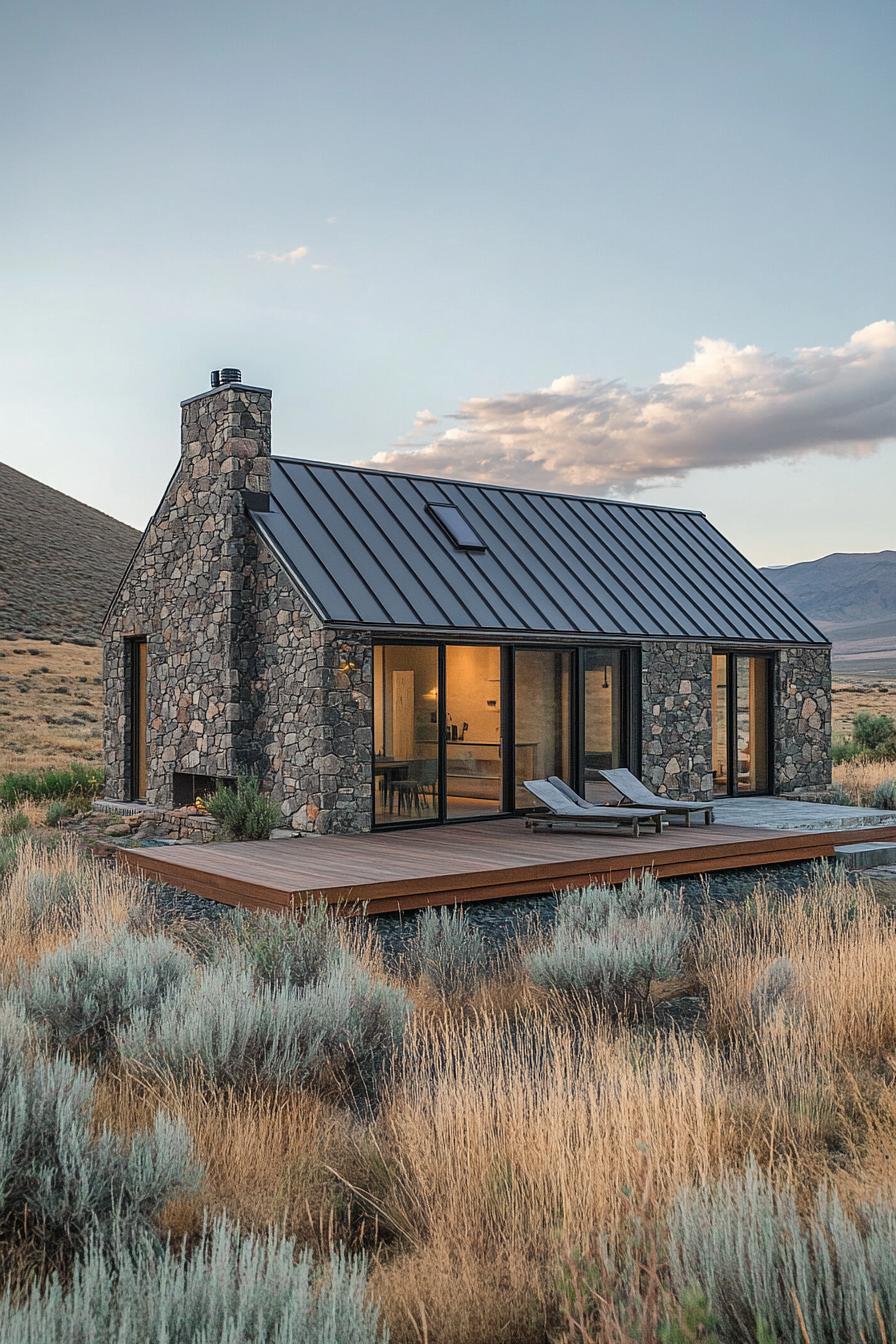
{"points": [[535, 1166], [852, 694], [50, 703]]}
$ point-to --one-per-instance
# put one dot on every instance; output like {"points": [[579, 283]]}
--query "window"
{"points": [[474, 761], [458, 727], [604, 688], [406, 732], [542, 683], [137, 717], [741, 723], [452, 521]]}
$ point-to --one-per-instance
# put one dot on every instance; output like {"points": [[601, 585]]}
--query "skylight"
{"points": [[452, 521]]}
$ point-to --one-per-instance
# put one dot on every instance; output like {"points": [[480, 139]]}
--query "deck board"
{"points": [[477, 861]]}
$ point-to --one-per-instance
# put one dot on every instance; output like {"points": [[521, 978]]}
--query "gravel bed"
{"points": [[504, 921]]}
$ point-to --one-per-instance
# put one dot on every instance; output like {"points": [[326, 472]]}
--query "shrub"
{"points": [[775, 991], [616, 964], [12, 822], [75, 781], [884, 796], [742, 1242], [448, 951], [52, 897], [85, 991], [875, 735], [586, 910], [283, 951], [243, 813], [60, 1177], [228, 1030], [9, 854], [843, 752], [61, 809], [230, 1288]]}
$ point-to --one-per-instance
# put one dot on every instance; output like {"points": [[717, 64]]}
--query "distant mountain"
{"points": [[852, 598], [60, 561]]}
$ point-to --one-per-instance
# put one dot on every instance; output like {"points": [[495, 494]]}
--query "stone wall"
{"points": [[241, 674], [311, 736], [803, 720], [676, 729]]}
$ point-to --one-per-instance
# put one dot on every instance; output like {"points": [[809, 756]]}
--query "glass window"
{"points": [[542, 683], [720, 723], [603, 677], [752, 724], [406, 732], [473, 761], [138, 718]]}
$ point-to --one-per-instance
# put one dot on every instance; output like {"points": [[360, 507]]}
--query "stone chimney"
{"points": [[225, 469]]}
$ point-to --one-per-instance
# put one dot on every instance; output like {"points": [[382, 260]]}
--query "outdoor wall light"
{"points": [[348, 665]]}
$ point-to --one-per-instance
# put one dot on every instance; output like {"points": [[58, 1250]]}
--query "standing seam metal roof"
{"points": [[361, 546]]}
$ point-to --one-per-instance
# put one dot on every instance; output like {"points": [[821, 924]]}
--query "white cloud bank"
{"points": [[728, 406]]}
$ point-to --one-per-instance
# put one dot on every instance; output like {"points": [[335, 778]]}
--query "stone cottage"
{"points": [[382, 649]]}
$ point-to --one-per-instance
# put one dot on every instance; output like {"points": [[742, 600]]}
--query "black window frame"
{"points": [[630, 710], [770, 657]]}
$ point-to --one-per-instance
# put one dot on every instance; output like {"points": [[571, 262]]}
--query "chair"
{"points": [[416, 791], [565, 814], [631, 790]]}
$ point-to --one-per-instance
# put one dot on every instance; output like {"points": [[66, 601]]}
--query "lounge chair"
{"points": [[631, 790], [564, 814]]}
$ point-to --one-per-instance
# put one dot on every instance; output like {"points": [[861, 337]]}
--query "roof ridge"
{"points": [[486, 485]]}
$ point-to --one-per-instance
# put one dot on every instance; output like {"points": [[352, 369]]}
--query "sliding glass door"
{"points": [[474, 762], [406, 775], [458, 728], [741, 741], [604, 696], [542, 717]]}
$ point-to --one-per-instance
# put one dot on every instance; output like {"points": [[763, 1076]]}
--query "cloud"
{"points": [[319, 266], [424, 418], [727, 406], [291, 257]]}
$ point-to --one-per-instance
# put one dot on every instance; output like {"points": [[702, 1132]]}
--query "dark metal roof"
{"points": [[363, 548]]}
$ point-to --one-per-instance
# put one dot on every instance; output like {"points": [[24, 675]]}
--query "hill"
{"points": [[852, 598], [60, 561]]}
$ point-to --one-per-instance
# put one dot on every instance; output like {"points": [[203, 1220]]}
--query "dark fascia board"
{"points": [[227, 387], [470, 635], [486, 485]]}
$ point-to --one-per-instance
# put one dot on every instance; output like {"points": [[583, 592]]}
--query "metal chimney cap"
{"points": [[220, 377]]}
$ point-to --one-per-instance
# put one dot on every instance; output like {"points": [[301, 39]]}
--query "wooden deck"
{"points": [[477, 861]]}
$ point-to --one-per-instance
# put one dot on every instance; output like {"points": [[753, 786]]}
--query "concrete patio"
{"points": [[782, 814]]}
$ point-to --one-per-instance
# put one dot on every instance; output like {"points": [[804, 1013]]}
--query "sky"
{"points": [[632, 249]]}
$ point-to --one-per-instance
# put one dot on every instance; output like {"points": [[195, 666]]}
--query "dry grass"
{"points": [[104, 896], [50, 704], [861, 777], [517, 1137], [852, 695]]}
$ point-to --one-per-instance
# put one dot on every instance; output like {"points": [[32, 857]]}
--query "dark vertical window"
{"points": [[741, 723], [137, 717]]}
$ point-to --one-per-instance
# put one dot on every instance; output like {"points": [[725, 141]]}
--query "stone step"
{"points": [[873, 854]]}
